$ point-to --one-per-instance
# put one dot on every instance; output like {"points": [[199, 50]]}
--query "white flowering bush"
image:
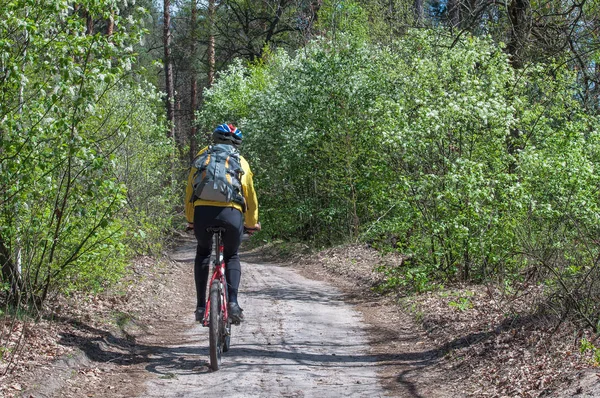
{"points": [[558, 167], [350, 140], [440, 151]]}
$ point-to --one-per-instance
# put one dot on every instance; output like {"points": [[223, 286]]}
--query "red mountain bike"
{"points": [[216, 317]]}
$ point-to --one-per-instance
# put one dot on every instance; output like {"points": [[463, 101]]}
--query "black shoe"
{"points": [[235, 312], [199, 313]]}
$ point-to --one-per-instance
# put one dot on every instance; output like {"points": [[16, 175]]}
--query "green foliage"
{"points": [[408, 279], [586, 347], [558, 165], [145, 157], [438, 149], [461, 303], [377, 21], [345, 133], [344, 16], [82, 162]]}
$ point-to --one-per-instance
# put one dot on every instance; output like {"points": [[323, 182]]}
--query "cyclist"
{"points": [[232, 216]]}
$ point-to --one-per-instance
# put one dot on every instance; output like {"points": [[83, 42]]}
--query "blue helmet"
{"points": [[227, 133]]}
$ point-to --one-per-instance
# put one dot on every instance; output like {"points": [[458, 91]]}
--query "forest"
{"points": [[462, 134]]}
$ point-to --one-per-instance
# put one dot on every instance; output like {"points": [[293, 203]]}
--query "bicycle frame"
{"points": [[218, 274]]}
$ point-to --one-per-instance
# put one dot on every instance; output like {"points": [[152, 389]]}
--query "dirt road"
{"points": [[299, 340], [302, 338]]}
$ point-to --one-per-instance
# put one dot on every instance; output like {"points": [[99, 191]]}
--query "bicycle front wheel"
{"points": [[215, 330], [227, 326]]}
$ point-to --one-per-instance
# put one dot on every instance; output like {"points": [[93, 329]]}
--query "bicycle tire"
{"points": [[215, 330], [227, 326]]}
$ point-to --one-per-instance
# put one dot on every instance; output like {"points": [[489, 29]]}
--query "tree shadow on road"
{"points": [[104, 347], [101, 346], [298, 293]]}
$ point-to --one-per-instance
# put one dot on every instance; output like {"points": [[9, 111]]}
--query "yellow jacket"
{"points": [[251, 214]]}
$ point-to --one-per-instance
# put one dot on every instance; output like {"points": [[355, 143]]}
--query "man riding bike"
{"points": [[233, 215]]}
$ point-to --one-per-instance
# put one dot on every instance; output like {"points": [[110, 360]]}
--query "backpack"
{"points": [[219, 175]]}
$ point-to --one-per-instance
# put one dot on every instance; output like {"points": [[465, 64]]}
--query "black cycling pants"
{"points": [[232, 220]]}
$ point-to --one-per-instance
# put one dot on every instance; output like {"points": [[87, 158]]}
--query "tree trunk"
{"points": [[179, 138], [315, 6], [10, 274], [168, 70], [89, 24], [194, 83], [453, 13], [517, 12], [110, 27], [419, 12], [211, 44], [270, 29]]}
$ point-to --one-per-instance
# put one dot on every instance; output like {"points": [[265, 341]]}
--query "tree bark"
{"points": [[419, 12], [211, 43], [110, 27], [194, 83], [89, 23], [10, 273], [453, 13], [517, 12], [315, 6], [270, 30], [168, 69]]}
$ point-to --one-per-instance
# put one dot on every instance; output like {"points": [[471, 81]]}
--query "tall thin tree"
{"points": [[110, 26], [419, 12], [194, 82], [211, 43], [169, 87]]}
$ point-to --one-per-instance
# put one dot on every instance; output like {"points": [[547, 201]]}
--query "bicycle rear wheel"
{"points": [[215, 330]]}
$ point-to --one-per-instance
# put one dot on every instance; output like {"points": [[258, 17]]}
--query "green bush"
{"points": [[84, 166], [436, 149], [347, 137]]}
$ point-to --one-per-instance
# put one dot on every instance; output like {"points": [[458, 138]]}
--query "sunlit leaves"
{"points": [[438, 149], [68, 108]]}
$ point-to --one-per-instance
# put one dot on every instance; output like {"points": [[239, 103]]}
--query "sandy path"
{"points": [[299, 340]]}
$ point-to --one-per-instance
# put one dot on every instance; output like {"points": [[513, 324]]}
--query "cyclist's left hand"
{"points": [[252, 230]]}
